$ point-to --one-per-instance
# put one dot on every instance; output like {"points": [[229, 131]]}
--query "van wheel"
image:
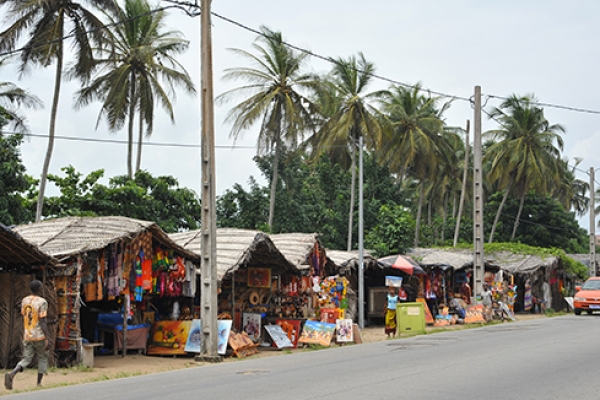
{"points": [[589, 312], [577, 311]]}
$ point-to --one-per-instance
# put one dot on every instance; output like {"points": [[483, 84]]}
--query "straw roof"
{"points": [[236, 248], [66, 237], [296, 247], [520, 263], [437, 257], [16, 251], [343, 258]]}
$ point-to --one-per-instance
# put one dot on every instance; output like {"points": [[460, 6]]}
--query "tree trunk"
{"points": [[352, 190], [463, 188], [274, 182], [138, 163], [500, 207], [419, 208], [516, 225], [444, 217], [130, 130], [53, 113]]}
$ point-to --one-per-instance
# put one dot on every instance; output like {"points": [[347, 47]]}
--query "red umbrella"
{"points": [[403, 263]]}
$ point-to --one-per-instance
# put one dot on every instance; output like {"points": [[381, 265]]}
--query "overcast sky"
{"points": [[548, 48]]}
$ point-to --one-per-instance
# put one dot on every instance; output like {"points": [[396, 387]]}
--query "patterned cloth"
{"points": [[33, 308]]}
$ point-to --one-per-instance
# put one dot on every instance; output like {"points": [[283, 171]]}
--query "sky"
{"points": [[541, 47]]}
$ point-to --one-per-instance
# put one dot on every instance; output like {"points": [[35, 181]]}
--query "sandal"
{"points": [[8, 381]]}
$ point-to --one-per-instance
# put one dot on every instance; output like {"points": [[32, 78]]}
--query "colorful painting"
{"points": [[291, 327], [393, 281], [169, 337], [259, 277], [280, 339], [475, 315], [251, 325], [428, 315], [193, 344], [317, 333], [343, 329]]}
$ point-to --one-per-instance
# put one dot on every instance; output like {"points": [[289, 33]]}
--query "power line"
{"points": [[576, 109]]}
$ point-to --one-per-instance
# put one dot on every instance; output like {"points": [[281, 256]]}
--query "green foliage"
{"points": [[543, 223], [394, 232], [13, 182], [158, 199]]}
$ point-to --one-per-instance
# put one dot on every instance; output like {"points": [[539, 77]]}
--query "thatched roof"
{"points": [[296, 247], [438, 257], [16, 251], [462, 258], [66, 237], [236, 248]]}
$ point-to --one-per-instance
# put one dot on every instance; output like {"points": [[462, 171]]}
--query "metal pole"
{"points": [[592, 224], [361, 274], [478, 258], [208, 267]]}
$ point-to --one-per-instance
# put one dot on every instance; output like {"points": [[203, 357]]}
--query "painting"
{"points": [[292, 329], [192, 344], [475, 315], [169, 337], [315, 332], [259, 277], [251, 325], [280, 339], [428, 316], [343, 329], [393, 281], [195, 336]]}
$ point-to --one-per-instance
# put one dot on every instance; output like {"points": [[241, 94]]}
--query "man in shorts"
{"points": [[34, 309]]}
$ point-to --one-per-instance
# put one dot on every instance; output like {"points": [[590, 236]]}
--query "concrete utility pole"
{"points": [[208, 267], [592, 224], [361, 261], [478, 260]]}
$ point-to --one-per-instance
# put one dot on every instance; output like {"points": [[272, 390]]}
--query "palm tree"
{"points": [[274, 85], [132, 70], [527, 155], [347, 104], [419, 143], [12, 98], [47, 22]]}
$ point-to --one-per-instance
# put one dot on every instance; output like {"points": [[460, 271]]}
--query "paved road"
{"points": [[549, 358]]}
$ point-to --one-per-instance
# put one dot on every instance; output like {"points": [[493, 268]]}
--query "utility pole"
{"points": [[361, 263], [478, 260], [463, 190], [208, 267], [592, 224]]}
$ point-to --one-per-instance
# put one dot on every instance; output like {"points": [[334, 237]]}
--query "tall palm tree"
{"points": [[275, 86], [351, 114], [419, 143], [133, 70], [526, 155], [12, 98], [46, 22]]}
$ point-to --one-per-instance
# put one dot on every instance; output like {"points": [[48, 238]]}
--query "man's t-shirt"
{"points": [[33, 309]]}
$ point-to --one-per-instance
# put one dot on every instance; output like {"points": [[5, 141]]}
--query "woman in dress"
{"points": [[527, 303]]}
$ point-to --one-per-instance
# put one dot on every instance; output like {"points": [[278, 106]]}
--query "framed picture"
{"points": [[251, 324], [169, 337], [259, 277], [394, 281], [279, 337], [195, 336], [343, 329]]}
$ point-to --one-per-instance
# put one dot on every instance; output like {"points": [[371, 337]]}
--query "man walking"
{"points": [[34, 309]]}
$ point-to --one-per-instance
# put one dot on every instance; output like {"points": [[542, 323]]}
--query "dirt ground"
{"points": [[113, 367]]}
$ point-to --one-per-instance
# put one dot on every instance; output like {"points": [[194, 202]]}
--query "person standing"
{"points": [[34, 309], [486, 301], [390, 312]]}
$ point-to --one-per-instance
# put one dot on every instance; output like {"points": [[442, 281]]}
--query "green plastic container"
{"points": [[410, 318]]}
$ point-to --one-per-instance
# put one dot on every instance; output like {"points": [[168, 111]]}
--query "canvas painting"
{"points": [[291, 327], [259, 277], [251, 325], [394, 281], [280, 338], [195, 336], [224, 329], [343, 328], [315, 332]]}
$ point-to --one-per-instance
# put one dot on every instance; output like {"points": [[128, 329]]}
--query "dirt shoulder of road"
{"points": [[114, 367]]}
